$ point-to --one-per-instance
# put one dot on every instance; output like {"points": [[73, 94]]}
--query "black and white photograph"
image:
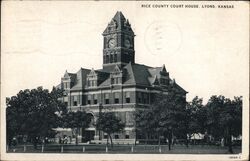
{"points": [[129, 80]]}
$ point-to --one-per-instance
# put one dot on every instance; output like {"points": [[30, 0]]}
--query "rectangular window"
{"points": [[75, 101], [116, 96], [127, 100], [89, 99], [126, 136], [139, 97], [116, 100], [106, 96], [116, 136], [145, 98], [95, 99], [127, 95], [105, 136]]}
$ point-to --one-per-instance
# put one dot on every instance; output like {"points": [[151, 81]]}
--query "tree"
{"points": [[110, 124], [78, 119], [165, 117], [33, 113], [224, 118], [170, 115], [195, 118], [143, 125]]}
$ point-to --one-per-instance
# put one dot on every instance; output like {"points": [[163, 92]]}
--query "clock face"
{"points": [[127, 43], [112, 43]]}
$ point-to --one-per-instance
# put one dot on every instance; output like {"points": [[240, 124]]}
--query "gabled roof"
{"points": [[154, 72], [116, 69], [155, 81]]}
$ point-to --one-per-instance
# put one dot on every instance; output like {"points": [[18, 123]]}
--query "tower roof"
{"points": [[118, 23], [119, 17]]}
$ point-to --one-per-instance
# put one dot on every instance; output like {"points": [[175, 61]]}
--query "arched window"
{"points": [[92, 122], [115, 58], [104, 59], [107, 59], [111, 58], [88, 83]]}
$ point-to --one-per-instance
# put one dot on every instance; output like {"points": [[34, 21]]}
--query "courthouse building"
{"points": [[120, 86]]}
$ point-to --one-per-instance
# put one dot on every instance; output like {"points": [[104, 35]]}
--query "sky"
{"points": [[204, 49]]}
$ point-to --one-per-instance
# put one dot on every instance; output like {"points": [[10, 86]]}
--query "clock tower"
{"points": [[118, 47]]}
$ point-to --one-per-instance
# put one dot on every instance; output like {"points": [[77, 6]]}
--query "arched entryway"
{"points": [[89, 133]]}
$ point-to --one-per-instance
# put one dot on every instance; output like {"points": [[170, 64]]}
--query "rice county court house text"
{"points": [[120, 86]]}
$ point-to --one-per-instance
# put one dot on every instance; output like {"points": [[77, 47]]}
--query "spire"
{"points": [[163, 68], [119, 18], [66, 74]]}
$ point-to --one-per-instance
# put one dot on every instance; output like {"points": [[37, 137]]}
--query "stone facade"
{"points": [[120, 86]]}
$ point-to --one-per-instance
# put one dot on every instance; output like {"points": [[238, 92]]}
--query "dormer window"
{"points": [[116, 76], [92, 83], [66, 85], [92, 79]]}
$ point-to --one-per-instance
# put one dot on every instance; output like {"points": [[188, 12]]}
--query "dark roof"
{"points": [[81, 79], [176, 86], [59, 86], [141, 74], [119, 23], [133, 74]]}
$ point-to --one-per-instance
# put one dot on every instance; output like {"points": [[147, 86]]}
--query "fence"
{"points": [[125, 149]]}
